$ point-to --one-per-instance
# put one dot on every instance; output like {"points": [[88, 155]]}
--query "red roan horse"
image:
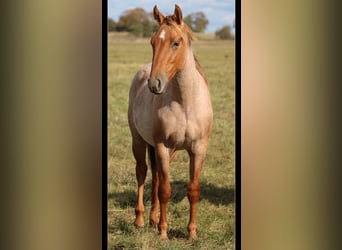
{"points": [[169, 109]]}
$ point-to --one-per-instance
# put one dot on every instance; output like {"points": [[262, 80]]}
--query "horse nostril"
{"points": [[154, 85], [158, 85]]}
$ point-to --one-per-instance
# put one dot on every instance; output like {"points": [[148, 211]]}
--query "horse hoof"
{"points": [[139, 224], [154, 222], [192, 236], [163, 237]]}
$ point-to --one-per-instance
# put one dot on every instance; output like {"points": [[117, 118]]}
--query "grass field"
{"points": [[216, 209]]}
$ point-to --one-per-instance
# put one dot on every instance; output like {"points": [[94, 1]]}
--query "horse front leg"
{"points": [[196, 161], [164, 189]]}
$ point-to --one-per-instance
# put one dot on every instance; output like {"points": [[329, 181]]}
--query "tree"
{"points": [[111, 25], [188, 21], [197, 21], [224, 33], [137, 21]]}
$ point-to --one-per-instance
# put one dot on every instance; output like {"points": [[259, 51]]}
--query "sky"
{"points": [[218, 12]]}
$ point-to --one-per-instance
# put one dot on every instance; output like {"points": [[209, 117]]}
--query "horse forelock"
{"points": [[183, 30]]}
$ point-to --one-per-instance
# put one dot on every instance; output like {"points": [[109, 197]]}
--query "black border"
{"points": [[237, 124], [104, 123]]}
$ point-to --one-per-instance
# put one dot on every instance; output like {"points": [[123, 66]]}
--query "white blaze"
{"points": [[162, 35]]}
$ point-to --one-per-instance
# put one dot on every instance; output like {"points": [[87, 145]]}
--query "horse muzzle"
{"points": [[155, 85]]}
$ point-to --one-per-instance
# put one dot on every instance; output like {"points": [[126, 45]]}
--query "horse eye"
{"points": [[175, 44]]}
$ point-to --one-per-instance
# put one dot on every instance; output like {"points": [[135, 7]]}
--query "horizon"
{"points": [[218, 12]]}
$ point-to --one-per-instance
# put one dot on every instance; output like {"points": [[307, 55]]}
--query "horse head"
{"points": [[170, 44]]}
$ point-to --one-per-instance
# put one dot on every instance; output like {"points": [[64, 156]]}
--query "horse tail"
{"points": [[152, 156]]}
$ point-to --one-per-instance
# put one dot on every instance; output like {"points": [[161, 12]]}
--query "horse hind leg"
{"points": [[139, 152], [154, 214]]}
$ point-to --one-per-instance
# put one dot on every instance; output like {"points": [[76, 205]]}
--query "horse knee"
{"points": [[164, 194], [193, 192]]}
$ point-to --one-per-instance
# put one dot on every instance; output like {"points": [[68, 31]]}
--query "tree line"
{"points": [[141, 23]]}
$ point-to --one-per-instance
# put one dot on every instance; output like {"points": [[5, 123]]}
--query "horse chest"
{"points": [[177, 128]]}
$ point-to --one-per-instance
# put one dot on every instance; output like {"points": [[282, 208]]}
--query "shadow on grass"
{"points": [[124, 199], [177, 234], [209, 192], [122, 226]]}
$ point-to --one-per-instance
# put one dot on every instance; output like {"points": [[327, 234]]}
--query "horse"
{"points": [[169, 109]]}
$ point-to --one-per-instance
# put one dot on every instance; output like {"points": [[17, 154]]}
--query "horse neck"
{"points": [[187, 80]]}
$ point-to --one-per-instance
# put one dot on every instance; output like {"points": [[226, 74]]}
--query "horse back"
{"points": [[139, 81]]}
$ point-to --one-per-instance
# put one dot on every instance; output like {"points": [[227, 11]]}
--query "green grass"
{"points": [[216, 209]]}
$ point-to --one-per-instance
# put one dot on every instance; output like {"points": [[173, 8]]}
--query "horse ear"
{"points": [[157, 15], [178, 14]]}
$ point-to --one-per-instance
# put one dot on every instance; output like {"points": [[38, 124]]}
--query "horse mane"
{"points": [[200, 70], [169, 20]]}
